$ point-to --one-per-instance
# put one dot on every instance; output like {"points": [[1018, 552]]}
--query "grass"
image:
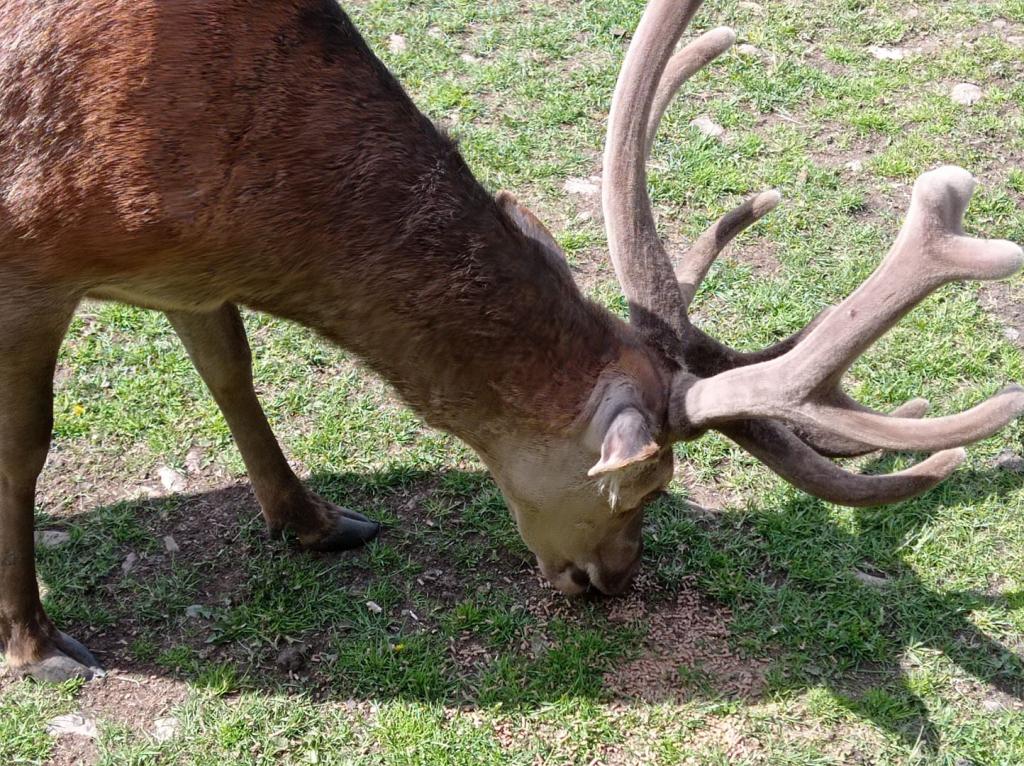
{"points": [[437, 644]]}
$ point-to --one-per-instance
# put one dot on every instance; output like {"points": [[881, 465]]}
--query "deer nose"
{"points": [[614, 583], [579, 576]]}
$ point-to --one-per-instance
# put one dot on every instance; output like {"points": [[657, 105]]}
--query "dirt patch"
{"points": [[71, 750], [136, 702], [1005, 301], [708, 500], [686, 653]]}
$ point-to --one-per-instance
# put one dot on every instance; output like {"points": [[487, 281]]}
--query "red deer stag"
{"points": [[192, 156]]}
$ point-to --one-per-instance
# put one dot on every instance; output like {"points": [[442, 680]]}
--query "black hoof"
{"points": [[352, 530], [69, 659]]}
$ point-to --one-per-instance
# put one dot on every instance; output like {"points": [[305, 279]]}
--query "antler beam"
{"points": [[750, 396], [799, 387]]}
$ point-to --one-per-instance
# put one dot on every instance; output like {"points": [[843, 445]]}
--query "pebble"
{"points": [[165, 729], [171, 480], [886, 54], [965, 93], [992, 705], [1008, 460], [194, 460], [129, 562], [583, 186], [170, 544], [374, 607], [855, 166], [708, 127], [74, 724], [52, 538], [397, 44], [870, 580], [292, 658]]}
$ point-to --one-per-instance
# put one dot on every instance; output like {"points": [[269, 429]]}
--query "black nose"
{"points": [[579, 576]]}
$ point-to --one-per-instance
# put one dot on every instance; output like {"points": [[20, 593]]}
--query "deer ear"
{"points": [[527, 222], [627, 441]]}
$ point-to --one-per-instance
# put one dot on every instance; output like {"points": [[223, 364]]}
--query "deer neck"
{"points": [[478, 328]]}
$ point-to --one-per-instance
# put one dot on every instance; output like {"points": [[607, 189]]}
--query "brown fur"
{"points": [[189, 155], [192, 152]]}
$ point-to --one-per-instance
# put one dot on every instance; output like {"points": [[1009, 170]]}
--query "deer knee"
{"points": [[228, 373]]}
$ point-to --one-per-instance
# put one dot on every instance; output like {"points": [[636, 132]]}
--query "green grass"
{"points": [[469, 660]]}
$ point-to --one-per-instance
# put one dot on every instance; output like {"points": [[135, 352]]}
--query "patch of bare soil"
{"points": [[72, 750], [1005, 301], [707, 499], [686, 653], [129, 700]]}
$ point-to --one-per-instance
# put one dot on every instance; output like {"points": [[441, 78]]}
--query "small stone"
{"points": [[397, 44], [374, 607], [165, 729], [469, 58], [171, 480], [872, 581], [965, 93], [619, 32], [999, 23], [52, 538], [1008, 460], [747, 5], [194, 460], [292, 658], [708, 127], [992, 705], [886, 54], [1012, 334], [746, 49], [855, 166], [170, 544], [583, 186], [74, 724], [431, 575], [196, 611], [129, 562], [150, 490]]}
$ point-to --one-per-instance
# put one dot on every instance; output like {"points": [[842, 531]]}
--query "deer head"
{"points": [[784, 404]]}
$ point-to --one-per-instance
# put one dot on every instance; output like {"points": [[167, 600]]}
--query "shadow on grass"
{"points": [[447, 607]]}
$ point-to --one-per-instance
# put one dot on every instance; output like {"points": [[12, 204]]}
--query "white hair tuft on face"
{"points": [[610, 487]]}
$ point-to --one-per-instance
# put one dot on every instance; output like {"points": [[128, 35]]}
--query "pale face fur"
{"points": [[578, 500]]}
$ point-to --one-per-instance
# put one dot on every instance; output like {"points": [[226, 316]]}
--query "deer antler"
{"points": [[796, 381], [799, 387]]}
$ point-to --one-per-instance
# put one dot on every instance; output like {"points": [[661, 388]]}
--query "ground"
{"points": [[766, 628]]}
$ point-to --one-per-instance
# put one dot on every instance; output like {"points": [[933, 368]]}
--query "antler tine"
{"points": [[641, 264], [702, 253], [785, 454], [800, 386], [681, 67], [829, 445]]}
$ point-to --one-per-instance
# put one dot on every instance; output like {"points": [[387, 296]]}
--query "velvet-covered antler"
{"points": [[784, 404]]}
